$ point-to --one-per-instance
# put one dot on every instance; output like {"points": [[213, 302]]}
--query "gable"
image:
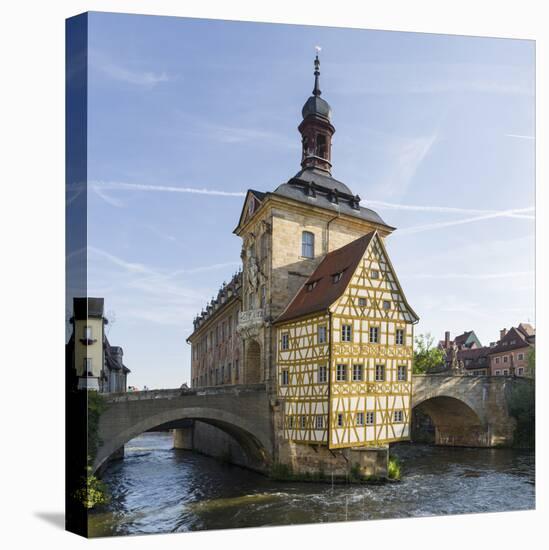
{"points": [[252, 202], [375, 290]]}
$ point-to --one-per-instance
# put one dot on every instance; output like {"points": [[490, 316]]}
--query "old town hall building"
{"points": [[317, 313]]}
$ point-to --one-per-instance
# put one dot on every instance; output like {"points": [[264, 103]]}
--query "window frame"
{"points": [[405, 370], [284, 377], [346, 337], [322, 369], [398, 416], [361, 372], [359, 419], [383, 372], [399, 331], [341, 372], [319, 422], [370, 340], [322, 329], [370, 418], [285, 341], [307, 248]]}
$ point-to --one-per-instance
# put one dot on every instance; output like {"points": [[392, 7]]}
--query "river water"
{"points": [[157, 489]]}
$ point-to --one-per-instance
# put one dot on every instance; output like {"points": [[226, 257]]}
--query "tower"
{"points": [[316, 130]]}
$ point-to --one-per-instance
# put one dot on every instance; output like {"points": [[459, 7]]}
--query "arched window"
{"points": [[321, 146], [307, 244]]}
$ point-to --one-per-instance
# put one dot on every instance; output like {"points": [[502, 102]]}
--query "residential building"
{"points": [[93, 364], [509, 356]]}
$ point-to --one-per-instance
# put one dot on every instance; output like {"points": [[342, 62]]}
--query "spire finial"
{"points": [[316, 90]]}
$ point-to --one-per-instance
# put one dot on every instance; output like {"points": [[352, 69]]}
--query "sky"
{"points": [[434, 132]]}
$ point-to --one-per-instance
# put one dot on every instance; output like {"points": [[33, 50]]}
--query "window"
{"points": [[341, 373], [340, 420], [87, 333], [322, 374], [402, 375], [346, 331], [336, 277], [303, 422], [498, 372], [505, 372], [88, 366], [285, 344], [290, 422], [399, 337], [310, 286], [360, 419], [399, 416], [307, 244], [374, 274], [322, 334], [285, 377], [505, 358], [374, 334], [319, 422], [520, 356], [369, 418], [497, 360], [357, 373], [321, 145], [380, 373], [386, 305], [362, 302], [236, 369], [520, 371]]}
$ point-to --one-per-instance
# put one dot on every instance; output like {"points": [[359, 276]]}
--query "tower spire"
{"points": [[316, 91]]}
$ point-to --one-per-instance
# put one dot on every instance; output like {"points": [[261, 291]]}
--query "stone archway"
{"points": [[252, 363], [454, 422]]}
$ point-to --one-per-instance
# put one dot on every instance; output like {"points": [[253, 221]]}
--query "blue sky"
{"points": [[434, 132]]}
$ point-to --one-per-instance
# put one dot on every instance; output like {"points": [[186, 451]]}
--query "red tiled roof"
{"points": [[505, 343], [343, 260]]}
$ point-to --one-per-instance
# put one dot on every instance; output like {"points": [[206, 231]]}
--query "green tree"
{"points": [[426, 356], [532, 362]]}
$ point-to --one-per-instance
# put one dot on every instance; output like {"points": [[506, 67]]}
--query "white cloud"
{"points": [[164, 188], [519, 136], [147, 79], [471, 276]]}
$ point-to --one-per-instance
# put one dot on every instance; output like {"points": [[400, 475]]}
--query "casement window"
{"points": [[341, 373], [520, 371], [386, 305], [380, 373], [339, 420], [399, 337], [319, 422], [307, 244], [88, 367], [360, 419], [285, 342], [303, 422], [498, 372], [346, 333], [285, 377], [497, 360], [505, 358], [520, 356], [369, 418], [399, 416], [336, 277], [374, 274], [88, 334], [374, 335], [357, 373], [401, 373], [362, 302], [290, 422], [322, 374], [311, 286], [322, 334]]}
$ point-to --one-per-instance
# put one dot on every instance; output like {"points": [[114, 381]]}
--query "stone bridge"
{"points": [[243, 412], [469, 411], [464, 410]]}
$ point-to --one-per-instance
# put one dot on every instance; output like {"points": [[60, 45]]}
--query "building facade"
{"points": [[93, 363], [287, 235]]}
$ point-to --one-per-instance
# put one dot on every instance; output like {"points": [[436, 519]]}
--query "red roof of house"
{"points": [[343, 260], [518, 339]]}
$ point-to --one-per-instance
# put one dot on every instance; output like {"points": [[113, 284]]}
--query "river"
{"points": [[157, 489]]}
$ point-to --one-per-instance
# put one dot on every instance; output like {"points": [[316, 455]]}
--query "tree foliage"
{"points": [[426, 356], [521, 403], [532, 362]]}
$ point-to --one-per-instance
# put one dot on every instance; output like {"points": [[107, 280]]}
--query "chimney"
{"points": [[502, 333], [446, 338]]}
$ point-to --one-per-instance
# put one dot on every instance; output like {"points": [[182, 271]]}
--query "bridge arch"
{"points": [[253, 440], [455, 421]]}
